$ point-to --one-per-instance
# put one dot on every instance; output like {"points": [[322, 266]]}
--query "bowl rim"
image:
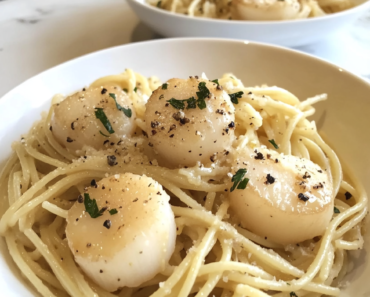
{"points": [[4, 99], [353, 10]]}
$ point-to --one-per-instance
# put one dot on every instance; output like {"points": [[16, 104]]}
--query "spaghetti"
{"points": [[213, 255]]}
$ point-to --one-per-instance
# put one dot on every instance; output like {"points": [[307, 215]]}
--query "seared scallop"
{"points": [[122, 230], [190, 120], [93, 116], [287, 199]]}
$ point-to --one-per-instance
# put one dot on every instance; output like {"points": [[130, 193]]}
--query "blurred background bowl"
{"points": [[286, 33]]}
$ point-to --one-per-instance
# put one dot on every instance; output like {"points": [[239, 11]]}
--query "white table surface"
{"points": [[38, 34]]}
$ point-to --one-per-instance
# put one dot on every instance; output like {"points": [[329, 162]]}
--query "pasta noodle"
{"points": [[213, 255]]}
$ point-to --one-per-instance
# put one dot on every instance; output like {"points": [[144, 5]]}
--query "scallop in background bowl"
{"points": [[285, 33], [344, 117]]}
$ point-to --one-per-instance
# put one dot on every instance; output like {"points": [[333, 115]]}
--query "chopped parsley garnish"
{"points": [[92, 208], [164, 86], [272, 141], [336, 210], [292, 294], [238, 180], [215, 81], [100, 114], [113, 211], [234, 97], [178, 104], [159, 5], [135, 89], [202, 94], [126, 111], [192, 102], [103, 134]]}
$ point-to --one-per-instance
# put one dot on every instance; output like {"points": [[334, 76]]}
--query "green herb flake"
{"points": [[203, 91], [234, 97], [336, 210], [272, 141], [103, 134], [192, 103], [91, 207], [126, 111], [125, 90], [178, 104], [292, 294], [100, 114], [215, 81], [164, 86], [243, 184], [135, 90], [160, 2], [238, 180], [113, 211]]}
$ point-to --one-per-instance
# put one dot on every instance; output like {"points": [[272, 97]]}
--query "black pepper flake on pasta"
{"points": [[111, 160], [269, 179], [51, 128], [93, 183], [259, 156], [80, 199], [136, 199], [105, 141], [213, 157], [306, 175], [103, 91], [101, 271], [303, 197], [145, 134], [319, 171], [154, 132], [84, 89], [107, 224], [159, 193], [88, 245], [232, 125], [348, 195], [276, 161], [172, 135], [69, 139], [220, 111], [73, 125], [250, 93]]}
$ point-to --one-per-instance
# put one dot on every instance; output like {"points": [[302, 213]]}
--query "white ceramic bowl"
{"points": [[344, 117], [286, 33]]}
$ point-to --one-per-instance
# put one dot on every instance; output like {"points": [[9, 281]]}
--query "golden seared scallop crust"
{"points": [[184, 136], [287, 199], [75, 124], [136, 228]]}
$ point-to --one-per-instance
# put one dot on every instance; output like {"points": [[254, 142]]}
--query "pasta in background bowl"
{"points": [[340, 121], [287, 30]]}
